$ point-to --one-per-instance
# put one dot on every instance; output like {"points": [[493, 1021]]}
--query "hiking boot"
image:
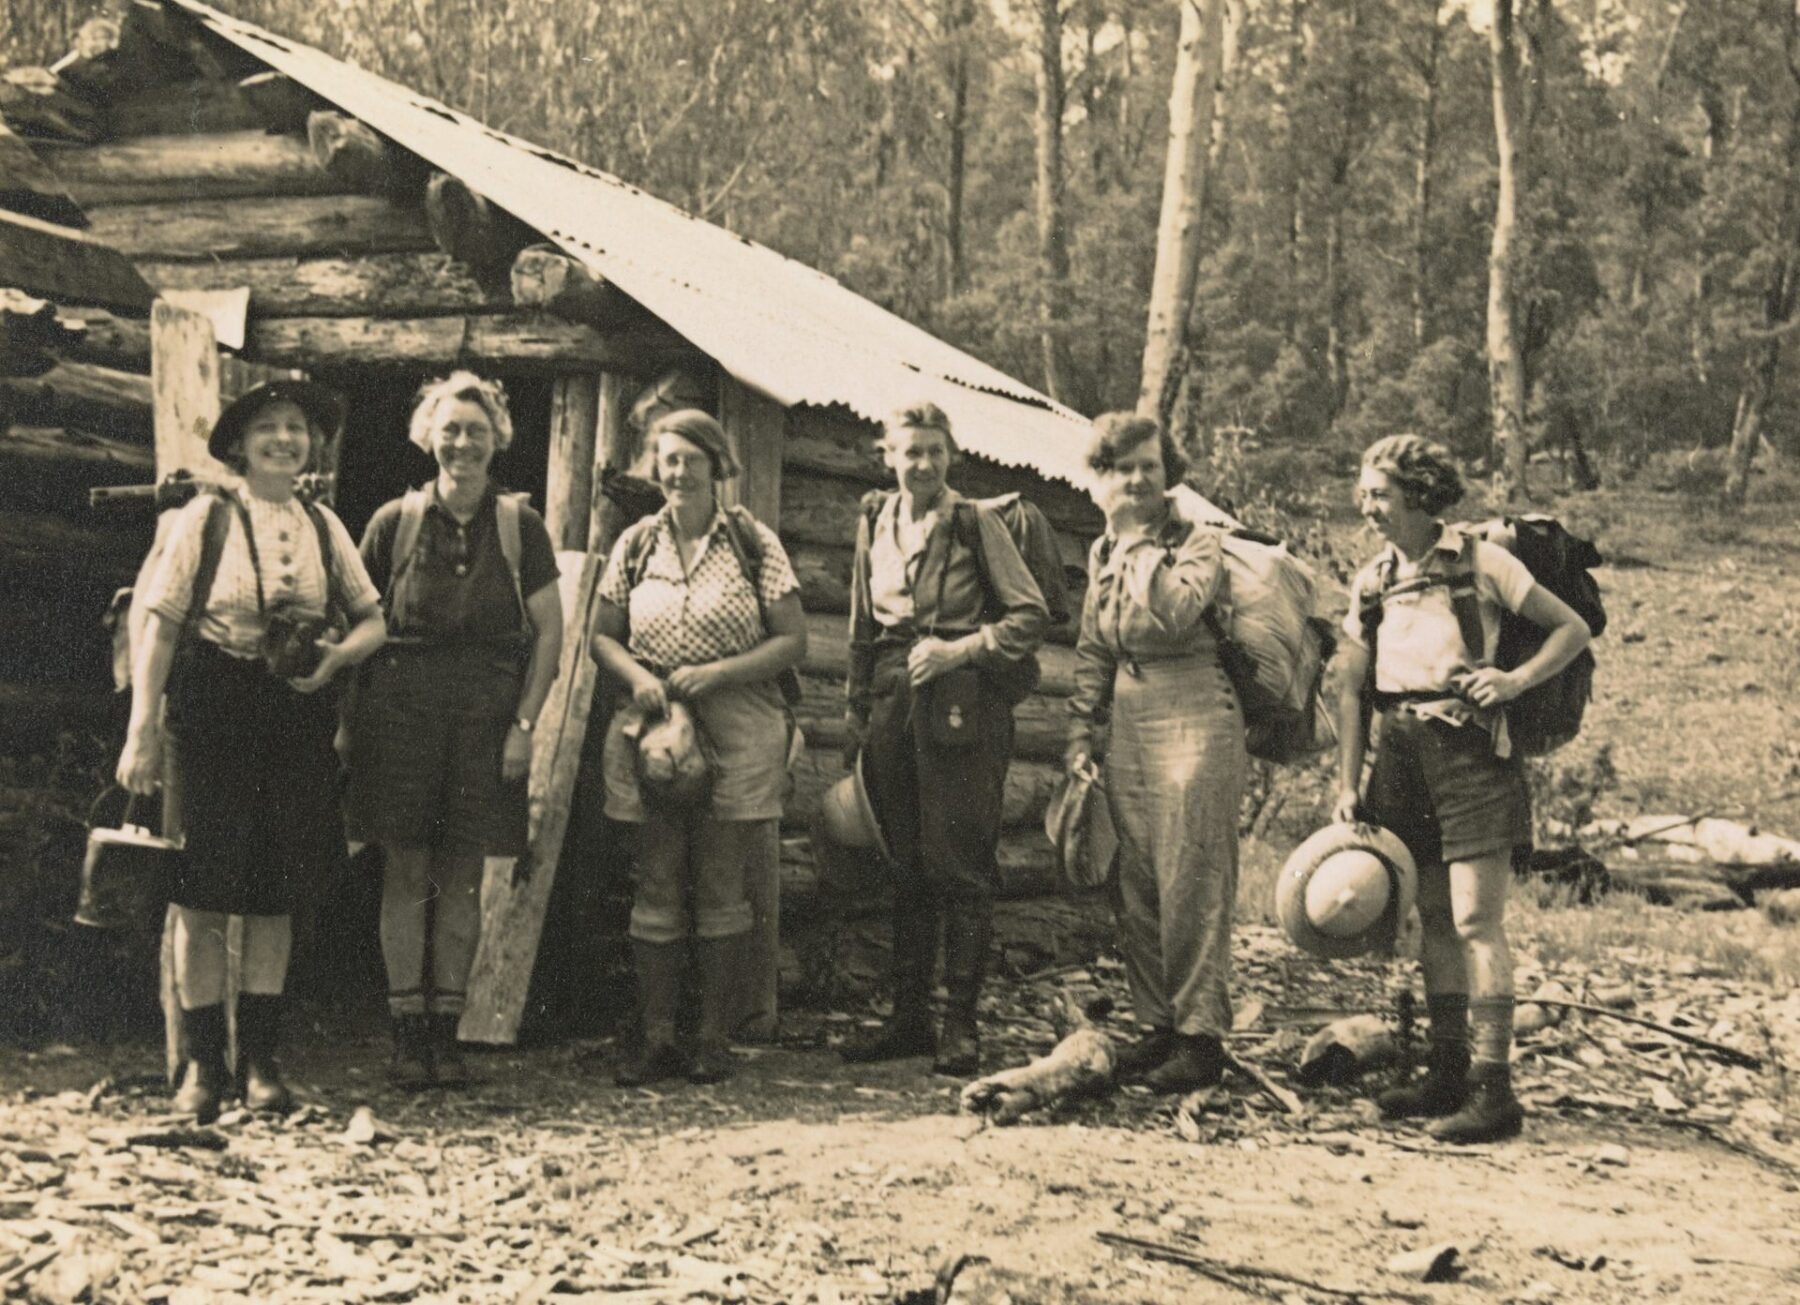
{"points": [[1196, 1061], [906, 1032], [713, 1061], [259, 1030], [1140, 1057], [449, 1070], [659, 971], [410, 1068], [205, 1078], [1490, 1114], [1440, 1092], [968, 933], [651, 1063]]}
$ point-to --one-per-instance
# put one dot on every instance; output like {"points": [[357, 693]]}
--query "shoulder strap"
{"points": [[212, 547], [1465, 603], [740, 533], [640, 543], [1372, 612], [967, 525], [334, 589], [512, 547], [406, 535]]}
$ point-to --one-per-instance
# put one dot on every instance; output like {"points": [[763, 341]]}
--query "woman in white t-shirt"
{"points": [[1445, 779]]}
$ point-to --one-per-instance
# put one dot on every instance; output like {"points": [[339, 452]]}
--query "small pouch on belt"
{"points": [[951, 699]]}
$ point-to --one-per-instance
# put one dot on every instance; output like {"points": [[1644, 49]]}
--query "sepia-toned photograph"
{"points": [[899, 652]]}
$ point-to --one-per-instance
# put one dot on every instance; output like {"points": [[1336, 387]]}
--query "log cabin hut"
{"points": [[191, 201]]}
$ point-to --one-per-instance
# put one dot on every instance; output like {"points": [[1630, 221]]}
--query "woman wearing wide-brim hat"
{"points": [[440, 732], [248, 741], [1445, 778]]}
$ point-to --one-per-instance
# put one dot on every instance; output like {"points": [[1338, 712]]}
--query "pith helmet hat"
{"points": [[1346, 890]]}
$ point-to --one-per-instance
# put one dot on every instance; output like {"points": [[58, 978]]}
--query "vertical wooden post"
{"points": [[757, 427], [615, 448], [568, 487]]}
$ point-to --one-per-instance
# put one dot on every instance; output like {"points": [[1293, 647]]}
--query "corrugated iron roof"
{"points": [[774, 324]]}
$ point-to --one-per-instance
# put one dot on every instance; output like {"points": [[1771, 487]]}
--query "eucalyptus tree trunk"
{"points": [[1053, 248], [1424, 159], [1506, 364], [1781, 293], [958, 18], [1199, 59]]}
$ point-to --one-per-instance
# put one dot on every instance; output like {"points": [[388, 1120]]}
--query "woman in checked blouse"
{"points": [[698, 604]]}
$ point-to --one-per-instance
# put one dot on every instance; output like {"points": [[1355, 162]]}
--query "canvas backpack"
{"points": [[1271, 643], [128, 633], [1545, 717], [506, 525], [746, 546], [1034, 537]]}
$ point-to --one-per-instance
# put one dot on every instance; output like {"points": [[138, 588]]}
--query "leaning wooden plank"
{"points": [[67, 266], [36, 102], [512, 911], [28, 186], [568, 484], [184, 376], [184, 168]]}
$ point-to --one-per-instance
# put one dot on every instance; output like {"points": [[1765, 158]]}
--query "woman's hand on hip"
{"points": [[694, 682], [140, 764], [1489, 686], [515, 754], [1343, 807]]}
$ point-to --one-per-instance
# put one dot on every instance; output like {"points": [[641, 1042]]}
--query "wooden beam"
{"points": [[471, 228], [97, 399], [427, 284], [283, 103], [615, 448], [67, 266], [184, 377], [28, 186], [755, 427], [184, 168], [568, 485], [545, 277], [254, 228], [512, 914], [199, 105], [36, 102], [512, 340], [108, 339], [49, 469], [361, 160]]}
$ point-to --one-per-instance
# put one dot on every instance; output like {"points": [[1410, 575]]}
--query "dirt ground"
{"points": [[807, 1180]]}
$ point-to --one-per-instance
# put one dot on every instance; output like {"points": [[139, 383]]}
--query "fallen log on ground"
{"points": [[1730, 1055]]}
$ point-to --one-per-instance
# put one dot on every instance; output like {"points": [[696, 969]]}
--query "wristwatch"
{"points": [[523, 725]]}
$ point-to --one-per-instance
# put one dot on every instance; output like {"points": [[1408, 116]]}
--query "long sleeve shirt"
{"points": [[1147, 601], [914, 582]]}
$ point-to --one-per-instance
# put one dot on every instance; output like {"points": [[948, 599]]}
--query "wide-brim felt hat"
{"points": [[1078, 822], [324, 408], [849, 812], [1305, 860]]}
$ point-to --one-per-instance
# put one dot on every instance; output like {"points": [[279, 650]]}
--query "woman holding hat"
{"points": [[944, 619], [440, 733], [250, 753], [1147, 669], [1445, 779], [698, 605]]}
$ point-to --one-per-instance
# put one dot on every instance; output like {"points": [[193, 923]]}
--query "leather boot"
{"points": [[259, 1031], [1197, 1061], [907, 1032], [448, 1068], [1491, 1112], [659, 970], [410, 1067], [716, 959], [1144, 1055], [204, 1079], [968, 933], [1441, 1092]]}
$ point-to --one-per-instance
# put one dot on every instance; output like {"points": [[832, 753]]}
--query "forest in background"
{"points": [[993, 169]]}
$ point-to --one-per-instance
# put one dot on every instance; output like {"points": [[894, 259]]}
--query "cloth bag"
{"points": [[1078, 822]]}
